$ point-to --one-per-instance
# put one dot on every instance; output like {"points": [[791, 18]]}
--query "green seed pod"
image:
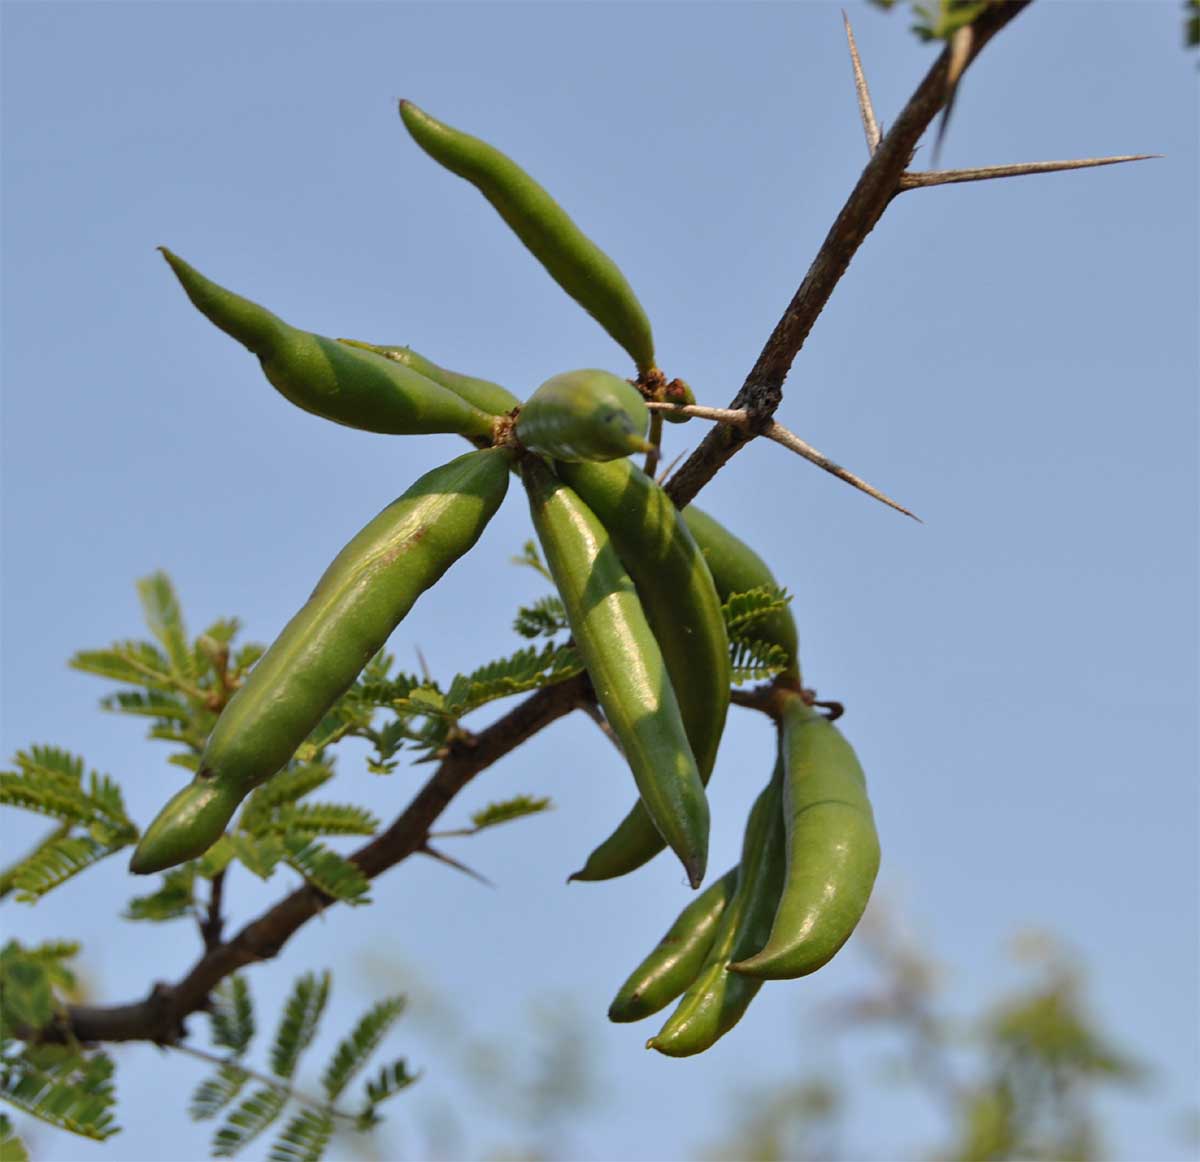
{"points": [[623, 661], [736, 568], [329, 379], [717, 998], [190, 823], [684, 612], [572, 259], [584, 415], [361, 598], [486, 396], [832, 849], [677, 958]]}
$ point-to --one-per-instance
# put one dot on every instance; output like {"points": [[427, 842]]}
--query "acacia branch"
{"points": [[762, 390], [161, 1015]]}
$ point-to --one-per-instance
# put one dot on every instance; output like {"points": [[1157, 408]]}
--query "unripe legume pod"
{"points": [[677, 958], [486, 396], [832, 849], [330, 379], [717, 998], [623, 661], [572, 259], [584, 415], [358, 602], [736, 568], [684, 612]]}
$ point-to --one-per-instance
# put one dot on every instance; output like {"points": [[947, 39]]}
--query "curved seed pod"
{"points": [[584, 415], [717, 998], [736, 568], [677, 958], [190, 823], [486, 396], [329, 379], [359, 601], [623, 661], [572, 259], [684, 611], [832, 849]]}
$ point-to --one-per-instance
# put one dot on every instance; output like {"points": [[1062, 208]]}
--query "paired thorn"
{"points": [[450, 861], [962, 44], [944, 177], [740, 418], [865, 108]]}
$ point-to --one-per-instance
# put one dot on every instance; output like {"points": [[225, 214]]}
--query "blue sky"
{"points": [[1015, 361]]}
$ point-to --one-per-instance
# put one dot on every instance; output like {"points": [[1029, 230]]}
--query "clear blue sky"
{"points": [[1015, 361]]}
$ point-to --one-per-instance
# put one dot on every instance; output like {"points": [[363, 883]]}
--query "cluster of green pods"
{"points": [[809, 859], [643, 587]]}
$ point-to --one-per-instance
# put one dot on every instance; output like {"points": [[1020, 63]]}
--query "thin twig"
{"points": [[274, 1083], [865, 108], [920, 179], [877, 185], [961, 41]]}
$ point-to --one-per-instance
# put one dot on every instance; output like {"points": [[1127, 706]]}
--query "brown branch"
{"points": [[880, 182], [213, 923], [161, 1015]]}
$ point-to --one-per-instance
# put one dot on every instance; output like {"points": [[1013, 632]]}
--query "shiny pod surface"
{"points": [[487, 396], [624, 662], [572, 259], [677, 958], [684, 611], [737, 568], [358, 602], [190, 823], [584, 415], [715, 1001], [832, 849], [348, 385]]}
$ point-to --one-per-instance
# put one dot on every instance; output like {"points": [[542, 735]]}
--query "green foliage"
{"points": [[305, 1138], [12, 1149], [62, 1086], [1191, 23], [742, 611], [250, 1117], [546, 617], [515, 808], [231, 1015], [93, 824], [352, 1054], [175, 897], [940, 19], [527, 669], [755, 661], [160, 608], [532, 558], [325, 870], [213, 1094], [301, 1014]]}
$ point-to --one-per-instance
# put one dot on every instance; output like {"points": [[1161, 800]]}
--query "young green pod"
{"points": [[677, 958], [679, 393], [359, 601], [832, 849], [624, 662], [584, 415], [482, 393], [684, 612], [572, 259], [345, 384], [737, 568], [717, 998]]}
